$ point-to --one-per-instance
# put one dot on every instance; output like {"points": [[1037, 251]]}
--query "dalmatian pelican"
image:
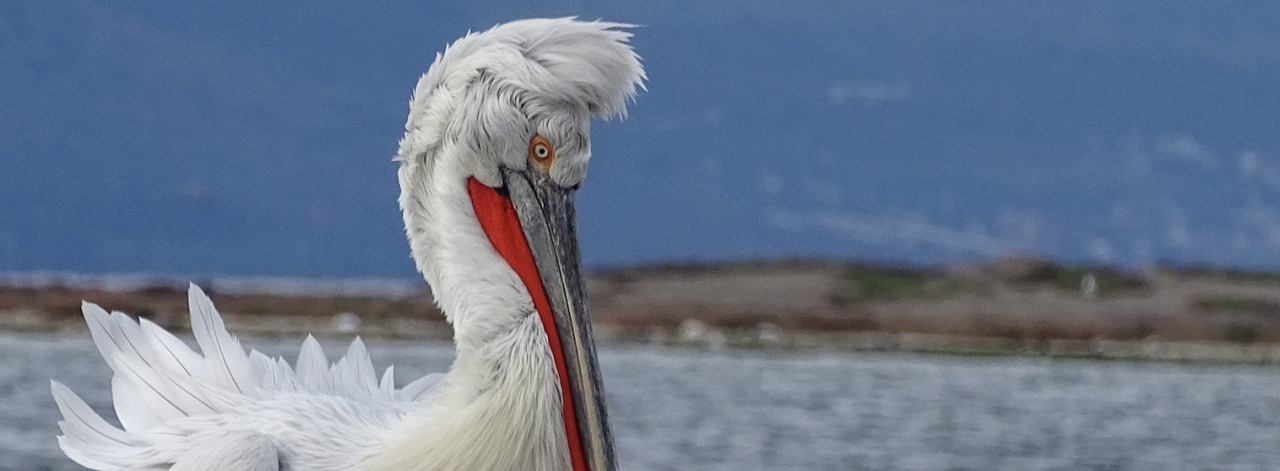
{"points": [[496, 144]]}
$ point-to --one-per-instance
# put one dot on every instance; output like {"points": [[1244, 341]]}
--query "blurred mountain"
{"points": [[247, 138]]}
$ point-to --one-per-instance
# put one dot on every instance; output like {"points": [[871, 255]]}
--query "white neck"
{"points": [[499, 406]]}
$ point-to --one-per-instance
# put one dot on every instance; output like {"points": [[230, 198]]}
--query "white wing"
{"points": [[168, 397]]}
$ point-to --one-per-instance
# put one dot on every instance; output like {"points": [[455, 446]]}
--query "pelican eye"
{"points": [[541, 153]]}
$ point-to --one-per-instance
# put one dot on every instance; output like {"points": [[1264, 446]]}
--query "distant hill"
{"points": [[247, 138]]}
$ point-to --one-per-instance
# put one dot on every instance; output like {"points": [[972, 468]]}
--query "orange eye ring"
{"points": [[541, 153]]}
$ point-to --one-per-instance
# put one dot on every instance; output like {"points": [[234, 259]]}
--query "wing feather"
{"points": [[353, 374], [158, 379], [387, 387], [137, 409], [273, 374], [88, 426], [168, 398], [420, 388], [86, 437], [312, 367], [171, 353], [223, 354]]}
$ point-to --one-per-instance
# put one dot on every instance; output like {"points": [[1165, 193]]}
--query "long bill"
{"points": [[547, 222]]}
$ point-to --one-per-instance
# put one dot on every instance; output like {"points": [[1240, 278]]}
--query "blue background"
{"points": [[255, 138]]}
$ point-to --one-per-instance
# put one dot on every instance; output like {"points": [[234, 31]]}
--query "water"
{"points": [[689, 410]]}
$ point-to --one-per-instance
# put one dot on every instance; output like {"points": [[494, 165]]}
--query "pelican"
{"points": [[496, 144]]}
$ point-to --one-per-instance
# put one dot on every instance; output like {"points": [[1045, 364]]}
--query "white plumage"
{"points": [[500, 406], [176, 403]]}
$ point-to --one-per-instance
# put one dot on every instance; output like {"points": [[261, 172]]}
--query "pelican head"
{"points": [[496, 144]]}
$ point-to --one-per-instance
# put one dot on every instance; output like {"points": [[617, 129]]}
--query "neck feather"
{"points": [[499, 406]]}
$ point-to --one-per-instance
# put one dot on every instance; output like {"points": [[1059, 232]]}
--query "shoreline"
{"points": [[801, 342], [1015, 305]]}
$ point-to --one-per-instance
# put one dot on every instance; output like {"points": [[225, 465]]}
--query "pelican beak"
{"points": [[548, 221]]}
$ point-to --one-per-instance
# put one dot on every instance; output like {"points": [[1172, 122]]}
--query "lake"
{"points": [[681, 409]]}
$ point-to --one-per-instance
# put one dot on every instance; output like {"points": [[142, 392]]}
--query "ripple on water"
{"points": [[678, 409]]}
